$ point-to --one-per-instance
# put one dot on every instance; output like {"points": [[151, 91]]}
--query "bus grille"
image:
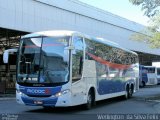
{"points": [[39, 95]]}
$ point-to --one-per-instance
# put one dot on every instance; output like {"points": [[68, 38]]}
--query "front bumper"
{"points": [[60, 101]]}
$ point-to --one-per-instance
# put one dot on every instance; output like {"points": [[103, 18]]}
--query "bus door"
{"points": [[152, 80], [78, 84]]}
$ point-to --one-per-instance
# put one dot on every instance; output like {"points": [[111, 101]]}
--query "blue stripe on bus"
{"points": [[38, 94], [144, 77], [45, 102], [110, 86], [142, 74]]}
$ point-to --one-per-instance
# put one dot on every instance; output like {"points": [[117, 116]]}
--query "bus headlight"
{"points": [[18, 91], [62, 93]]}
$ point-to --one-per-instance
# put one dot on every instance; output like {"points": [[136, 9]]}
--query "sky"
{"points": [[121, 8]]}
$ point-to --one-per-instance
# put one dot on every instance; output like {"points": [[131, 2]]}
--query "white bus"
{"points": [[147, 75], [67, 68]]}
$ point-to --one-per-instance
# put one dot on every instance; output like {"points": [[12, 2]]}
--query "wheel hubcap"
{"points": [[130, 91], [89, 99]]}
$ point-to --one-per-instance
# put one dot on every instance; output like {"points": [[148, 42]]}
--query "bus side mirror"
{"points": [[6, 54]]}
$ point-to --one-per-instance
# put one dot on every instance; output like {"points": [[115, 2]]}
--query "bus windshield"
{"points": [[43, 60], [148, 70]]}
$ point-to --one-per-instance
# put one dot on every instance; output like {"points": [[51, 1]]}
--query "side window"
{"points": [[113, 73], [102, 70], [158, 71], [129, 73], [77, 59]]}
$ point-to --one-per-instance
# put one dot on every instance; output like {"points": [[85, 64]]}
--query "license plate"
{"points": [[38, 102]]}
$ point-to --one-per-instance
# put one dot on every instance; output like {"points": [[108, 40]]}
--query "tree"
{"points": [[151, 34], [149, 6]]}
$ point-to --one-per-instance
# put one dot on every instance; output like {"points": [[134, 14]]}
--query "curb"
{"points": [[7, 98], [156, 101], [4, 97], [149, 99]]}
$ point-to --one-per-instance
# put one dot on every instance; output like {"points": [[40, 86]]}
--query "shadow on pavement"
{"points": [[76, 109]]}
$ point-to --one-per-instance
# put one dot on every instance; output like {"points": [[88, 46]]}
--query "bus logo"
{"points": [[35, 91], [47, 91]]}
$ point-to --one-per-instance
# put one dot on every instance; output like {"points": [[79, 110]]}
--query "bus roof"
{"points": [[50, 33], [70, 33]]}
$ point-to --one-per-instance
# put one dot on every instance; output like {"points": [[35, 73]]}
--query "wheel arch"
{"points": [[93, 90]]}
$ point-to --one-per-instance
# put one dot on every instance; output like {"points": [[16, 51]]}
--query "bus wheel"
{"points": [[130, 92], [127, 93], [90, 100]]}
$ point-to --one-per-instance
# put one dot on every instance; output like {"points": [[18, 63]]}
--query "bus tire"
{"points": [[130, 92], [127, 93], [90, 100]]}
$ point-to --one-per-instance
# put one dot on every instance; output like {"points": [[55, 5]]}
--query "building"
{"points": [[19, 17]]}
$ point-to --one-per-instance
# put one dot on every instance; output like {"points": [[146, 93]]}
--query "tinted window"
{"points": [[158, 71], [108, 53], [77, 59]]}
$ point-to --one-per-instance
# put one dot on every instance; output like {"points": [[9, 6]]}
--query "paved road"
{"points": [[139, 104]]}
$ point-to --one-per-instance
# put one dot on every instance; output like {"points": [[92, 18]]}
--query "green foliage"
{"points": [[155, 22], [136, 2], [155, 40], [150, 35], [150, 7]]}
